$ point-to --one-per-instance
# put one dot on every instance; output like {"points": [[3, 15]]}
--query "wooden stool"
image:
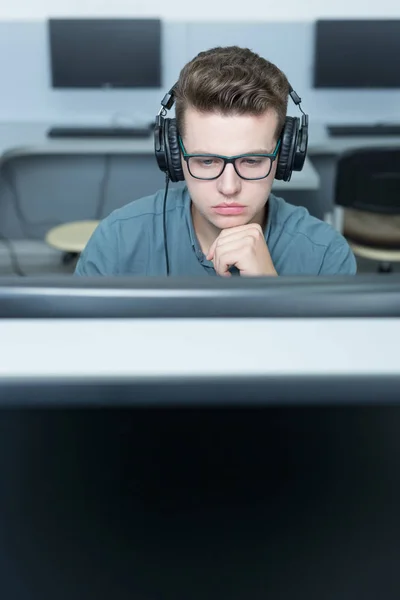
{"points": [[373, 236], [71, 238]]}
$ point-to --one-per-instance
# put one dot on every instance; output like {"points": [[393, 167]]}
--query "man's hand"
{"points": [[243, 247]]}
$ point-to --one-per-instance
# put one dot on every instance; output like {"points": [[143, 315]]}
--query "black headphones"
{"points": [[292, 153]]}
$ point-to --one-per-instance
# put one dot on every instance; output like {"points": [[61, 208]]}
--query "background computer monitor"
{"points": [[105, 53], [356, 54]]}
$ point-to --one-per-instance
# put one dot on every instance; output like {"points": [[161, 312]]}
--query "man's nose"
{"points": [[229, 183]]}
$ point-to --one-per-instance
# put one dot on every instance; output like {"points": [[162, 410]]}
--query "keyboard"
{"points": [[100, 132], [375, 130]]}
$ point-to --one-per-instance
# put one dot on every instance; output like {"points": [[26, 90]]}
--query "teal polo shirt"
{"points": [[130, 241]]}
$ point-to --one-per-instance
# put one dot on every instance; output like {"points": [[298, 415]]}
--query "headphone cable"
{"points": [[165, 225]]}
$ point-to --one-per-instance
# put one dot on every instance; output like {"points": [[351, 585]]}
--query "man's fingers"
{"points": [[236, 239], [224, 262], [227, 257], [241, 228], [234, 234]]}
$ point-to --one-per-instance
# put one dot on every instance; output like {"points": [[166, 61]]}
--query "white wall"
{"points": [[201, 9]]}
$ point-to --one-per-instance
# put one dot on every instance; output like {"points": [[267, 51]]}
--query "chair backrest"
{"points": [[368, 179]]}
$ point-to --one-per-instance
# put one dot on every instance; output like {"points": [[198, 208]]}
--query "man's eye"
{"points": [[206, 162], [252, 161]]}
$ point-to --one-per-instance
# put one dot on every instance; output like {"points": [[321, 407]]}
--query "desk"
{"points": [[49, 191], [321, 143], [158, 342], [23, 139]]}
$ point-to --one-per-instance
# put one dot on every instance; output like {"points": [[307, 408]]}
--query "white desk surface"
{"points": [[21, 139], [320, 142], [48, 347]]}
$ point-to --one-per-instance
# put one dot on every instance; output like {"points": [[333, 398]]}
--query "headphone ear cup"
{"points": [[172, 150], [287, 150], [159, 144], [302, 146]]}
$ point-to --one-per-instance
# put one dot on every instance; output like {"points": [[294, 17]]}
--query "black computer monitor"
{"points": [[157, 441], [356, 53], [105, 53]]}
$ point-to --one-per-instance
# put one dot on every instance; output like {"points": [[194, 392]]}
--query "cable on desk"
{"points": [[7, 176], [15, 266]]}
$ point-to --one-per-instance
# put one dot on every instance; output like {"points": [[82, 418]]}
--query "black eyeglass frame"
{"points": [[228, 160]]}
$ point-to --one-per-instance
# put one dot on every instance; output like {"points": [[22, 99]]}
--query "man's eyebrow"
{"points": [[202, 152], [258, 151]]}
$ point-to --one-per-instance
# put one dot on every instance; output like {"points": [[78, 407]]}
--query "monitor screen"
{"points": [[105, 53], [356, 54], [176, 503]]}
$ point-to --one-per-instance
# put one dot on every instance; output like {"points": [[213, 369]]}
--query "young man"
{"points": [[231, 109]]}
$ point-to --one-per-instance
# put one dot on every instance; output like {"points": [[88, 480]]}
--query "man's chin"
{"points": [[225, 222]]}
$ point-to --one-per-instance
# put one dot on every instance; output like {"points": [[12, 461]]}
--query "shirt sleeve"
{"points": [[100, 256], [338, 259]]}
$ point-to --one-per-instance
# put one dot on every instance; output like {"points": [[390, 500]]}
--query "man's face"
{"points": [[229, 200]]}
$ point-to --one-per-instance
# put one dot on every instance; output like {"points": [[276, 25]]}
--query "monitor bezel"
{"points": [[60, 297]]}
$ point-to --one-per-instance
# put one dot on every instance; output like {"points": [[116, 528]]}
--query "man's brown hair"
{"points": [[231, 80]]}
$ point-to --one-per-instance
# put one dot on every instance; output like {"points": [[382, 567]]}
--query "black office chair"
{"points": [[367, 203]]}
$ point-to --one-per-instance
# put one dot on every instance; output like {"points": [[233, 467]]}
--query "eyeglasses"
{"points": [[247, 166]]}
